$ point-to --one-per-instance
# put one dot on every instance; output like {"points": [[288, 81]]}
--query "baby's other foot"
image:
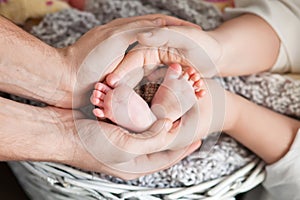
{"points": [[178, 93], [122, 106], [97, 99], [195, 79]]}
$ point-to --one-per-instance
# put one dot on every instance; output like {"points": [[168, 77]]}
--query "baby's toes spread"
{"points": [[98, 112]]}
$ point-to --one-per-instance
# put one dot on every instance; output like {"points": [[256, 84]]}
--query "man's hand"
{"points": [[233, 49], [186, 45], [102, 147], [65, 136], [99, 52]]}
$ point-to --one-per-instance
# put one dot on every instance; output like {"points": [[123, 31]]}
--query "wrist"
{"points": [[35, 135], [31, 68], [62, 140], [232, 112], [67, 81]]}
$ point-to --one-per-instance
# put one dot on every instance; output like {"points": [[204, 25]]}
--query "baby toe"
{"points": [[186, 76], [98, 94], [102, 87], [190, 71], [112, 79], [198, 84], [98, 112], [95, 101], [200, 94], [195, 77], [174, 71]]}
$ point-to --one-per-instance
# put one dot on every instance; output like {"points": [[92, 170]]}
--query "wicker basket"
{"points": [[55, 181]]}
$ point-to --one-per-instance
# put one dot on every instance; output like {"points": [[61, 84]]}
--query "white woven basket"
{"points": [[56, 181]]}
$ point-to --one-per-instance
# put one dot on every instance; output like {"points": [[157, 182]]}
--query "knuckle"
{"points": [[136, 23]]}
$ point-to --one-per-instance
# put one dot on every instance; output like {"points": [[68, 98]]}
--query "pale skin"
{"points": [[49, 133], [223, 45], [176, 95], [60, 142]]}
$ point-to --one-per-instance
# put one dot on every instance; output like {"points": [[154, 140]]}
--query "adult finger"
{"points": [[142, 61], [199, 48], [165, 20], [111, 144], [150, 163]]}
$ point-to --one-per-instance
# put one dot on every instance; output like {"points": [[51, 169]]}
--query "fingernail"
{"points": [[147, 34], [158, 21]]}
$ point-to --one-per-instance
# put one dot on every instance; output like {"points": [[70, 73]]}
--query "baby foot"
{"points": [[122, 106], [134, 67], [130, 71], [178, 93]]}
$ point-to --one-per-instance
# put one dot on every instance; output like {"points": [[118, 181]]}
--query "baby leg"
{"points": [[122, 106], [177, 94]]}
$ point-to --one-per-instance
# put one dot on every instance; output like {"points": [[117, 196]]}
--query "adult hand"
{"points": [[186, 45], [229, 50], [102, 147], [65, 136], [58, 71], [99, 51], [207, 116]]}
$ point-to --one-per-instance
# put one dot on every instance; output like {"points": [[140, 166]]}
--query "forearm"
{"points": [[266, 133], [31, 68], [249, 45], [31, 133]]}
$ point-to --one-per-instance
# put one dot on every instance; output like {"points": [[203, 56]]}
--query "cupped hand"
{"points": [[101, 147], [207, 116], [100, 50], [187, 45]]}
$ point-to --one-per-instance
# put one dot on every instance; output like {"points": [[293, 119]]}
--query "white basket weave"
{"points": [[56, 181]]}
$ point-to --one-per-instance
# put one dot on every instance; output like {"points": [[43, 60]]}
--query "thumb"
{"points": [[171, 36], [195, 47], [159, 128]]}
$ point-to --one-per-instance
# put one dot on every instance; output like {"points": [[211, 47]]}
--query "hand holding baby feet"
{"points": [[122, 106], [178, 93]]}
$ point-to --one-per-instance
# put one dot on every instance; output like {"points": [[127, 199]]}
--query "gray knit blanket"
{"points": [[273, 91]]}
